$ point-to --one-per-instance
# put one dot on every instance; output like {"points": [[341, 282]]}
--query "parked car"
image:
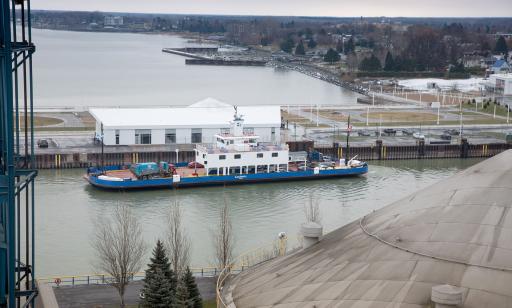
{"points": [[452, 132], [407, 132], [42, 143], [364, 133], [418, 136], [390, 131], [446, 136]]}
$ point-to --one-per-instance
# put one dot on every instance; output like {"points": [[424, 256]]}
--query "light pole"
{"points": [[102, 148]]}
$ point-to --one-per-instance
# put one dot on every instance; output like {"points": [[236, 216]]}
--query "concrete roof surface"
{"points": [[206, 113], [457, 231]]}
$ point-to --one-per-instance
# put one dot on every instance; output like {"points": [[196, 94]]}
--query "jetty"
{"points": [[197, 59]]}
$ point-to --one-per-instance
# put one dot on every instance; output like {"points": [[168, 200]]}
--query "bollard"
{"points": [[464, 148], [378, 149], [446, 296], [312, 232], [421, 148]]}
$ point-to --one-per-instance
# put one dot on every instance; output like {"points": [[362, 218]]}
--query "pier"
{"points": [[198, 61], [183, 52]]}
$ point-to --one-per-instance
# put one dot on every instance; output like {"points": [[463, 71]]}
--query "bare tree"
{"points": [[223, 238], [178, 243], [312, 210], [119, 246]]}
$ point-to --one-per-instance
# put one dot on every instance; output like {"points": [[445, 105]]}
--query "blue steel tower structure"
{"points": [[17, 172]]}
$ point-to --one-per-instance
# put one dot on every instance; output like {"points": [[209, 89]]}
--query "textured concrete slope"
{"points": [[458, 231]]}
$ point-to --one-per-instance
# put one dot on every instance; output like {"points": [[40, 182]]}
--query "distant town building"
{"points": [[471, 60], [113, 21], [499, 67], [197, 123]]}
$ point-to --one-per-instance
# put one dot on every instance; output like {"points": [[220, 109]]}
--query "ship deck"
{"points": [[182, 171]]}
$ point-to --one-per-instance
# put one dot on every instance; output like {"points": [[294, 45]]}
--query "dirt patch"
{"points": [[400, 116], [335, 115], [42, 121], [293, 118]]}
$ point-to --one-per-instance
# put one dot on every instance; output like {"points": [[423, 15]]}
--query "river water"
{"points": [[67, 208], [83, 69]]}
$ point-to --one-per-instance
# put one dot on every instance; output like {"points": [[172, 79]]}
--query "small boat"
{"points": [[235, 158]]}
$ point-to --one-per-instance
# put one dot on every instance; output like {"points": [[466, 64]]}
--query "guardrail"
{"points": [[247, 260], [102, 278]]}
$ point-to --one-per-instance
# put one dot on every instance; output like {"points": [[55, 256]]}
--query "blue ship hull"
{"points": [[224, 179]]}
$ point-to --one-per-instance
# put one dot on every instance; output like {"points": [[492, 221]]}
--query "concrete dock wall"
{"points": [[378, 151]]}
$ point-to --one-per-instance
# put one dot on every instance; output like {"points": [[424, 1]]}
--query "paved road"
{"points": [[95, 296]]}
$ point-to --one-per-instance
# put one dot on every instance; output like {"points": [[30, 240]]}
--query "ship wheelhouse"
{"points": [[237, 153]]}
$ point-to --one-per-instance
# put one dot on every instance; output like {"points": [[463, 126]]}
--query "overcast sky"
{"points": [[392, 8]]}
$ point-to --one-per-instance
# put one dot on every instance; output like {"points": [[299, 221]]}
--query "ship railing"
{"points": [[247, 260], [214, 149], [105, 279]]}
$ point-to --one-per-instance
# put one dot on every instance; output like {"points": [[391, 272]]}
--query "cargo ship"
{"points": [[235, 158]]}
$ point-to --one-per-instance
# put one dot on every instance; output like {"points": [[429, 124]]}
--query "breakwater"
{"points": [[225, 62], [377, 151]]}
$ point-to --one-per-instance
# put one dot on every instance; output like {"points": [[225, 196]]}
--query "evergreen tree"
{"points": [[339, 47], [370, 64], [182, 297], [157, 291], [193, 292], [332, 56], [160, 280], [311, 43], [501, 46], [287, 45], [389, 64], [299, 50], [349, 46]]}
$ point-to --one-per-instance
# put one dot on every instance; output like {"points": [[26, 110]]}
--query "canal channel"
{"points": [[67, 209]]}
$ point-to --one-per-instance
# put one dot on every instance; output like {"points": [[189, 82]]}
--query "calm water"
{"points": [[116, 69], [67, 207]]}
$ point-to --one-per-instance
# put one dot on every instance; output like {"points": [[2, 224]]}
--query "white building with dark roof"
{"points": [[197, 123]]}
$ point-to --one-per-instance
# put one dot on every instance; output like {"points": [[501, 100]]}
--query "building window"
{"points": [[197, 135], [222, 157], [205, 163], [142, 136], [225, 131], [275, 154], [238, 156], [170, 136], [259, 155], [248, 130], [117, 136]]}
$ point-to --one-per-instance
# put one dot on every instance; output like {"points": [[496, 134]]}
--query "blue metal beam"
{"points": [[16, 271]]}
